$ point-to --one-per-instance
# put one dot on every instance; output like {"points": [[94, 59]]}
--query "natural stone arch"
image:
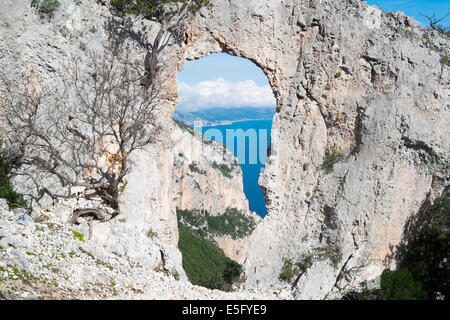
{"points": [[323, 58], [330, 71]]}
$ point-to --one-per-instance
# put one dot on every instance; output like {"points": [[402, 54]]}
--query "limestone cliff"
{"points": [[206, 176], [353, 83], [146, 231], [45, 259], [359, 143], [198, 181]]}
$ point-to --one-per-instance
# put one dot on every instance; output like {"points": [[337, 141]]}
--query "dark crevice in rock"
{"points": [[330, 217], [371, 60], [358, 128], [162, 265], [325, 116], [426, 152], [341, 271]]}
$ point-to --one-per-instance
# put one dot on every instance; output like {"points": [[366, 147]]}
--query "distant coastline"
{"points": [[206, 123], [221, 116], [250, 171]]}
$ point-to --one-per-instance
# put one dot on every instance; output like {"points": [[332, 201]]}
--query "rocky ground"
{"points": [[46, 258]]}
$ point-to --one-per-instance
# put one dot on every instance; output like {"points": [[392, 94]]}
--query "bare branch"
{"points": [[83, 136], [96, 213], [433, 20]]}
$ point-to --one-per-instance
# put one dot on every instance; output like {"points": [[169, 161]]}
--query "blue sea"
{"points": [[252, 160]]}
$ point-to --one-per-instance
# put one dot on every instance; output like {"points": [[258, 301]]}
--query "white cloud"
{"points": [[222, 93]]}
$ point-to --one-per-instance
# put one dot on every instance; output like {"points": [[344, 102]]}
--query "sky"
{"points": [[223, 81], [415, 7]]}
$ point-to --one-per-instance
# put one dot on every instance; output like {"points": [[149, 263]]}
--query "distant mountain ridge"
{"points": [[222, 116]]}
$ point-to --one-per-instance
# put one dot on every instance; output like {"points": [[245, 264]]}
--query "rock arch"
{"points": [[339, 73], [347, 76]]}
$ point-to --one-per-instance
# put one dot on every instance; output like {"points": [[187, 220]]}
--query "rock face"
{"points": [[50, 261], [198, 182], [352, 79], [43, 48], [353, 84], [206, 176]]}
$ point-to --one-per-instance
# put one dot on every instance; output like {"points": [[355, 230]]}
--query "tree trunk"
{"points": [[98, 214], [151, 60]]}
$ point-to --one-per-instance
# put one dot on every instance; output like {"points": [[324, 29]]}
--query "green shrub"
{"points": [[445, 60], [356, 149], [193, 167], [204, 262], [293, 269], [83, 46], [279, 108], [443, 30], [45, 8], [77, 235], [305, 262], [400, 285], [176, 274], [336, 258], [150, 9], [330, 158], [289, 270], [427, 259], [232, 222], [332, 253], [193, 218], [151, 234], [7, 192], [184, 126], [425, 272], [395, 285], [223, 168], [364, 293]]}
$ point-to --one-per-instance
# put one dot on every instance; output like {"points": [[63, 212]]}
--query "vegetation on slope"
{"points": [[232, 222], [427, 260], [185, 127], [45, 8], [425, 271], [204, 262], [224, 169], [7, 192], [330, 158]]}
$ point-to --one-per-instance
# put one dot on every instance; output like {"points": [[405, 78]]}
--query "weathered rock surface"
{"points": [[199, 184], [53, 262], [146, 233], [348, 77], [44, 48]]}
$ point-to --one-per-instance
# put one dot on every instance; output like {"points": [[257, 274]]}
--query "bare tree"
{"points": [[434, 21], [83, 134], [170, 14]]}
